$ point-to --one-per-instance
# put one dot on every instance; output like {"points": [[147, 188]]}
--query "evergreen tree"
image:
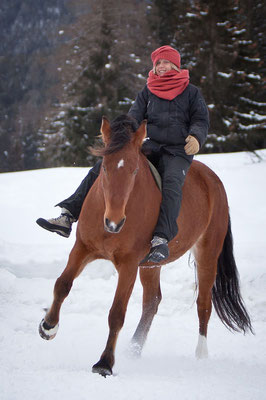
{"points": [[29, 33], [101, 52], [109, 66], [218, 40], [248, 116], [168, 22]]}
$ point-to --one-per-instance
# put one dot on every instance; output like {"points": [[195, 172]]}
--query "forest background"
{"points": [[65, 63]]}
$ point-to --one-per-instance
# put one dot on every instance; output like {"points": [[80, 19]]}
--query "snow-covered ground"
{"points": [[31, 259]]}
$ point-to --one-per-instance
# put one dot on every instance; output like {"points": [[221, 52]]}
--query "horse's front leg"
{"points": [[78, 258], [127, 276]]}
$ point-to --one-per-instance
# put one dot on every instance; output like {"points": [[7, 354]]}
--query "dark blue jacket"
{"points": [[169, 122]]}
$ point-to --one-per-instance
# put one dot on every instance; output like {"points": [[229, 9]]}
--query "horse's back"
{"points": [[202, 172], [205, 186], [204, 209]]}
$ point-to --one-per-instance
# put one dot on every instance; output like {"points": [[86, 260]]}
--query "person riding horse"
{"points": [[177, 127], [116, 223]]}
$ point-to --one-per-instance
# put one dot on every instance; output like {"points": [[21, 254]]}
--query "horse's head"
{"points": [[119, 167]]}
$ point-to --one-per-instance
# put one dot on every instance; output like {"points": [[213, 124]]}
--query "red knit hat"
{"points": [[166, 53]]}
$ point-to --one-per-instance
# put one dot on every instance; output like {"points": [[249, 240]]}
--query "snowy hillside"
{"points": [[31, 259]]}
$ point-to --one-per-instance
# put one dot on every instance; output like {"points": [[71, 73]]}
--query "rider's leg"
{"points": [[71, 206], [173, 170]]}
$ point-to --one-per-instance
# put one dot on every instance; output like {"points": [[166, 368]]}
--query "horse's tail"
{"points": [[226, 295]]}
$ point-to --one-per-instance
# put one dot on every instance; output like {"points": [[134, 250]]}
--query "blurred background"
{"points": [[65, 63]]}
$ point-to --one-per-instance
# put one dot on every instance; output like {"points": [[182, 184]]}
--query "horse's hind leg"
{"points": [[76, 262], [150, 279], [206, 259]]}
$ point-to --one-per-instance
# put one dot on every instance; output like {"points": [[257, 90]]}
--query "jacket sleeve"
{"points": [[139, 107], [199, 118]]}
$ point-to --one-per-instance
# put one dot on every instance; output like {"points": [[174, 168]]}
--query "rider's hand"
{"points": [[192, 147]]}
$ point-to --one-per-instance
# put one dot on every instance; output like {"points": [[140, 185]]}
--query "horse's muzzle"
{"points": [[112, 227]]}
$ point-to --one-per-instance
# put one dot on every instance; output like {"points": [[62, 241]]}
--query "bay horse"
{"points": [[116, 223]]}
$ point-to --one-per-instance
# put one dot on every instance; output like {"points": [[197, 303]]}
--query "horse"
{"points": [[116, 223]]}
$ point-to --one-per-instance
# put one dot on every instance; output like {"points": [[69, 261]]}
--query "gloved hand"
{"points": [[150, 146], [192, 147]]}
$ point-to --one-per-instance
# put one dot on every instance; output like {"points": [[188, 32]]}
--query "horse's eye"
{"points": [[136, 171], [104, 168]]}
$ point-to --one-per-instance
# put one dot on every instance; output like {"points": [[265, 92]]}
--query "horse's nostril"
{"points": [[120, 224], [112, 227]]}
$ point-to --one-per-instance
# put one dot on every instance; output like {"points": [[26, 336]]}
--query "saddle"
{"points": [[156, 175]]}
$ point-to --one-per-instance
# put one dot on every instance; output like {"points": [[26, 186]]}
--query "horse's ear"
{"points": [[105, 130], [140, 133]]}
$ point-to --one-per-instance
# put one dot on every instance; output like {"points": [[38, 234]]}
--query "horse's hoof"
{"points": [[47, 332], [101, 368]]}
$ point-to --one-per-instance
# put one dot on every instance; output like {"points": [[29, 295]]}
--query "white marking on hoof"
{"points": [[202, 348], [121, 163], [47, 334]]}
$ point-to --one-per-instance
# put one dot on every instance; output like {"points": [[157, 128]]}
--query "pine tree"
{"points": [[248, 104], [221, 44], [108, 65], [211, 56], [167, 19], [28, 80]]}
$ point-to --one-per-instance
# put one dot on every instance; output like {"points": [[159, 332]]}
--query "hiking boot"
{"points": [[61, 225], [159, 250]]}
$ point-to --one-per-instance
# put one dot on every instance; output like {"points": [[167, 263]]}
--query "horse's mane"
{"points": [[122, 130]]}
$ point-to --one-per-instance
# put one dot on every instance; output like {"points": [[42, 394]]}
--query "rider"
{"points": [[177, 127]]}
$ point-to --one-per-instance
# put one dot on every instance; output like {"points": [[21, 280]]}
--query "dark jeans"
{"points": [[173, 170]]}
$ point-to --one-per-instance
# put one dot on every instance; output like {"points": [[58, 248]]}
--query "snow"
{"points": [[248, 127], [254, 116], [227, 123], [191, 15], [254, 76], [239, 31], [255, 103], [252, 59], [224, 75], [31, 259], [222, 23]]}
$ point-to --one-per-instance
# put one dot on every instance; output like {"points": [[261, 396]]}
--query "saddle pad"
{"points": [[156, 175]]}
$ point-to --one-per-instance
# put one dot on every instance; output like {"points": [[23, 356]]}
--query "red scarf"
{"points": [[169, 85]]}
